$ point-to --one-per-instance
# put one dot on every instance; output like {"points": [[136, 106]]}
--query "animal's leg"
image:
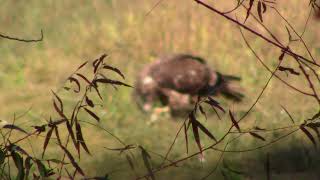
{"points": [[156, 112]]}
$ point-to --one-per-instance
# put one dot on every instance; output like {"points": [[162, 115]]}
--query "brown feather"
{"points": [[175, 80]]}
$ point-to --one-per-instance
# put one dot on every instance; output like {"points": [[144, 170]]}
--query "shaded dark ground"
{"points": [[286, 162]]}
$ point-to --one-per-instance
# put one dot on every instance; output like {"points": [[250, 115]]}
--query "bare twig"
{"points": [[22, 40], [284, 49]]}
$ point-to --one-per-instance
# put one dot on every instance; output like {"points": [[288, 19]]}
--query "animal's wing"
{"points": [[187, 76]]}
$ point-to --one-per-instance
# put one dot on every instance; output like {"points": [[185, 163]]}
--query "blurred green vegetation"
{"points": [[76, 31]]}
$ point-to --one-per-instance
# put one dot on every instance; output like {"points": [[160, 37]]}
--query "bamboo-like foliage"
{"points": [[82, 85]]}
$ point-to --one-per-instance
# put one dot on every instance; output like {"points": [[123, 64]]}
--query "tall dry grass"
{"points": [[74, 32]]}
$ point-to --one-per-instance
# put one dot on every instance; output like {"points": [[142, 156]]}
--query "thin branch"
{"points": [[174, 141], [261, 93], [265, 130], [313, 71], [118, 139], [284, 49], [259, 147], [218, 163], [291, 118], [235, 8], [306, 75], [300, 36], [22, 40], [260, 60], [153, 7]]}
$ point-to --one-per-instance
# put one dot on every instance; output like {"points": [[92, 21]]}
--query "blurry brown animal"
{"points": [[177, 80], [317, 14]]}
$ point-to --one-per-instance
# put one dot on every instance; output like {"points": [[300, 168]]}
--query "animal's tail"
{"points": [[231, 89]]}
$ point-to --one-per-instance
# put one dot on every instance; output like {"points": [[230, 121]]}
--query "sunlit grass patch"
{"points": [[75, 32]]}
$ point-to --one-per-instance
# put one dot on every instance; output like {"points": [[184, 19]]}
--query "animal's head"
{"points": [[145, 92]]}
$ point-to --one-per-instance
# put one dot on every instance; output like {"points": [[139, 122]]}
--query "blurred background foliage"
{"points": [[133, 36]]}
